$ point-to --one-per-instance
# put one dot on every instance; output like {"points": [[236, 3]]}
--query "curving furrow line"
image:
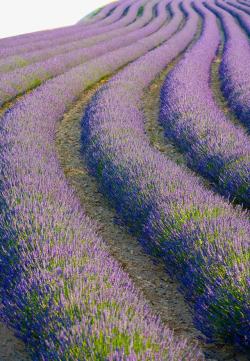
{"points": [[243, 19], [82, 34], [21, 80], [13, 62], [234, 69], [215, 147], [202, 239], [60, 289], [50, 34]]}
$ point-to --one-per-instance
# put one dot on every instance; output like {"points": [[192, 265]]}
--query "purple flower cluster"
{"points": [[235, 71], [202, 239], [214, 146], [60, 289]]}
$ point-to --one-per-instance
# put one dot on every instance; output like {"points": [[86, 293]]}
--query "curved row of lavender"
{"points": [[132, 23], [60, 289], [214, 146], [243, 19], [235, 72], [23, 79], [202, 239], [78, 34]]}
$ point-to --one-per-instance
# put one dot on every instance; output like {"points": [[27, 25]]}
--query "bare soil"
{"points": [[11, 348]]}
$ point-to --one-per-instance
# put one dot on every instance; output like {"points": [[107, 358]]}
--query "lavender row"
{"points": [[50, 34], [202, 239], [21, 80], [235, 71], [83, 33], [214, 146], [243, 19], [61, 291], [13, 62]]}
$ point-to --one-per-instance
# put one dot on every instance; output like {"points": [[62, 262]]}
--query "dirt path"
{"points": [[11, 349]]}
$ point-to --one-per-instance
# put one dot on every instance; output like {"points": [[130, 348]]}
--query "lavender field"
{"points": [[125, 185]]}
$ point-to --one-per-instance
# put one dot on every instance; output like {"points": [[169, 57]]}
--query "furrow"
{"points": [[11, 348]]}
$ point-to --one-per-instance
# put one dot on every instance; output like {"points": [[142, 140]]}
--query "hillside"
{"points": [[125, 185]]}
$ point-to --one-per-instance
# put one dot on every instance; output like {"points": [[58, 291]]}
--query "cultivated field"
{"points": [[125, 185]]}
